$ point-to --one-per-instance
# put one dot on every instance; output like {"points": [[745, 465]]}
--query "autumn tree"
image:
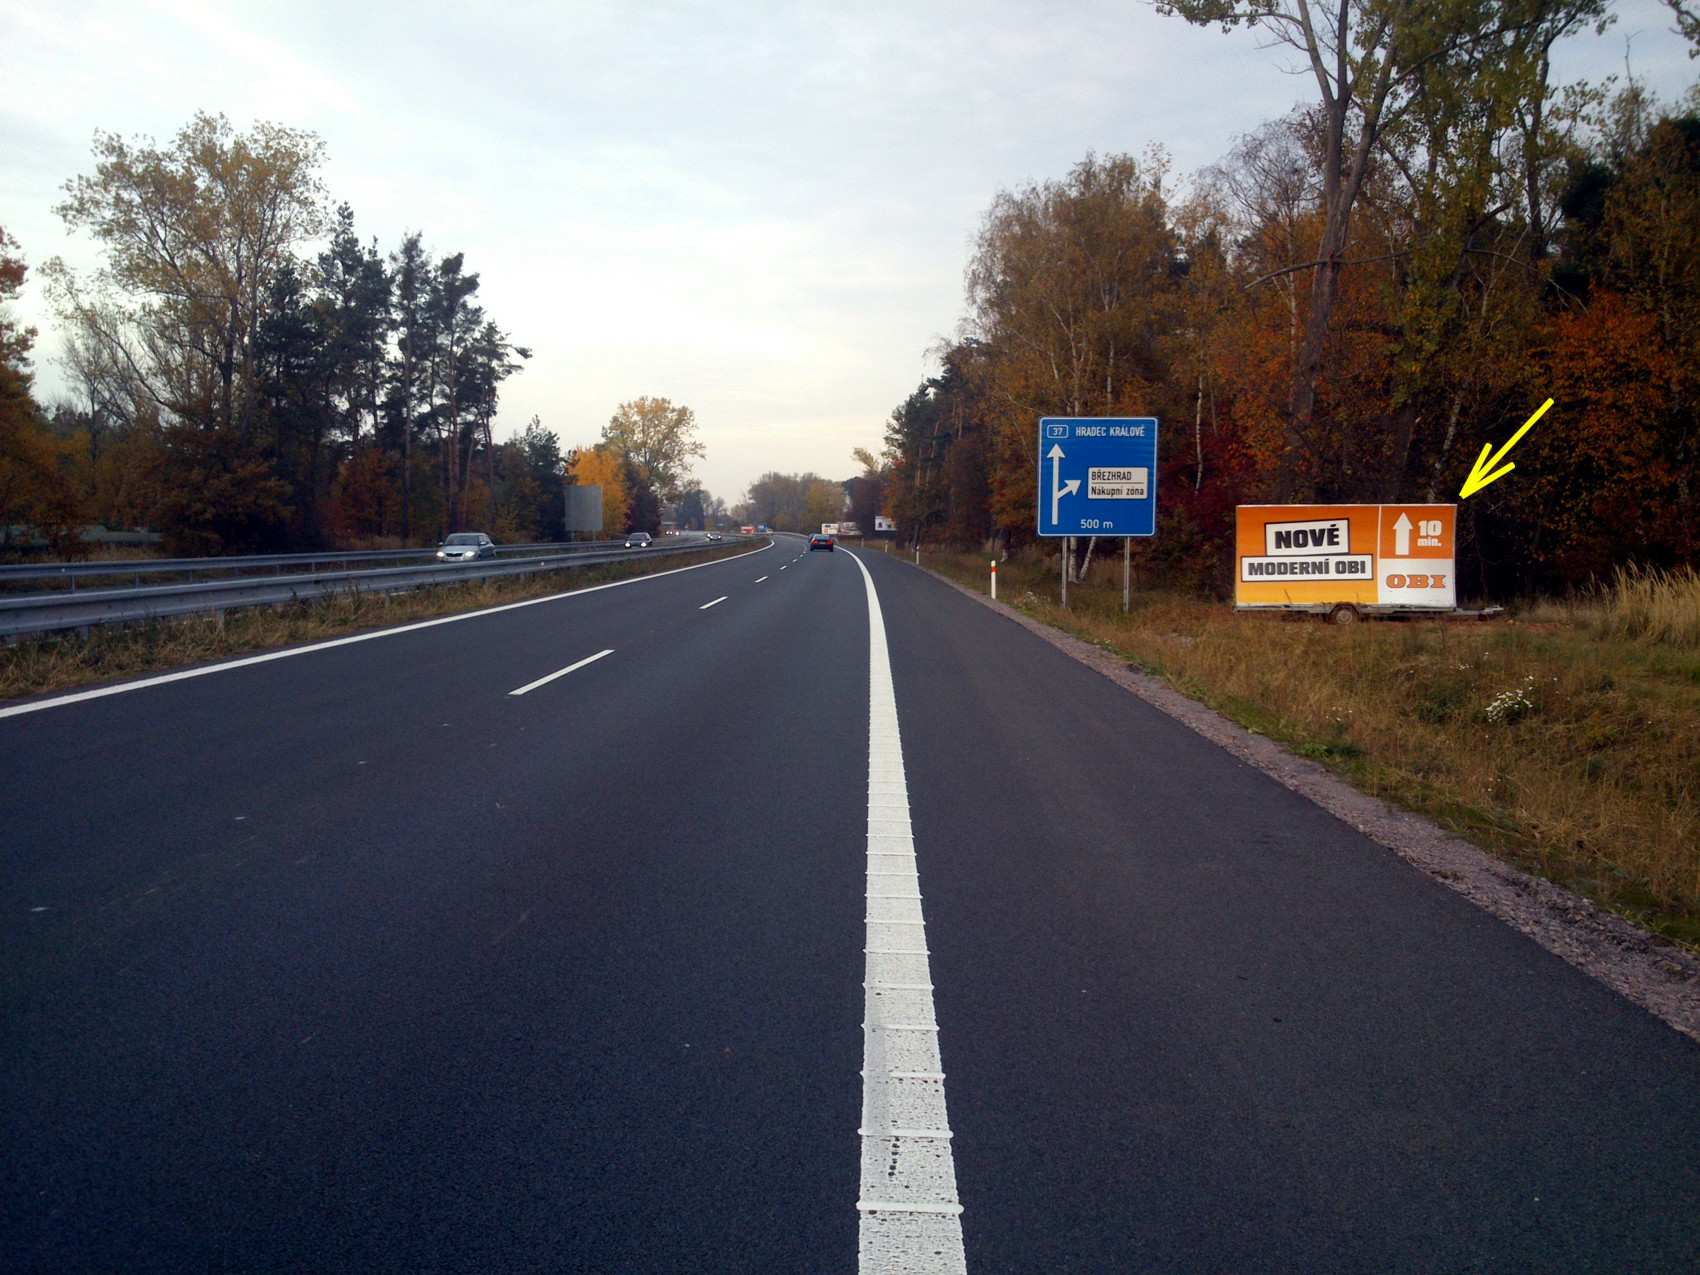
{"points": [[15, 339], [1372, 61], [32, 490], [643, 501], [195, 233], [691, 509], [1071, 290], [823, 502], [777, 500], [866, 490], [1687, 24], [595, 465], [540, 453], [208, 317], [660, 438]]}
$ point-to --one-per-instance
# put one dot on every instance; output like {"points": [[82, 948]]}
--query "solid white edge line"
{"points": [[561, 672], [715, 603], [919, 1233], [77, 697]]}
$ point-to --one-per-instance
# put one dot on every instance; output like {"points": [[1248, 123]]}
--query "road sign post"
{"points": [[1098, 477]]}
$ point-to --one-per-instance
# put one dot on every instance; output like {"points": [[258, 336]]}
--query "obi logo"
{"points": [[1397, 581], [1056, 431]]}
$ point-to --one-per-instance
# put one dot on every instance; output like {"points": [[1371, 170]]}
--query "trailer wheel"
{"points": [[1343, 614]]}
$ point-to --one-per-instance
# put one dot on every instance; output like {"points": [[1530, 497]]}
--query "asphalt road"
{"points": [[355, 960]]}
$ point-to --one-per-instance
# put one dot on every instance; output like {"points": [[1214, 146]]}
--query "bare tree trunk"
{"points": [[1302, 404], [1445, 446], [1408, 419], [1091, 544], [1342, 179], [466, 472], [490, 463], [1198, 434], [406, 471]]}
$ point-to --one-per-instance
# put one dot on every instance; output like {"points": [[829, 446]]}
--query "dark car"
{"points": [[639, 540], [820, 542], [715, 535], [466, 546]]}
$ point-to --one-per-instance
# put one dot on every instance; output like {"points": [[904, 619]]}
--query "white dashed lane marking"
{"points": [[561, 672]]}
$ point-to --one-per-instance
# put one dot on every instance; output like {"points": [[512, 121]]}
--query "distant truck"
{"points": [[849, 529], [829, 528], [747, 530], [1343, 561]]}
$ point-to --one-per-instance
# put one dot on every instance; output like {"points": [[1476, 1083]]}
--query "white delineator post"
{"points": [[994, 579], [911, 1218]]}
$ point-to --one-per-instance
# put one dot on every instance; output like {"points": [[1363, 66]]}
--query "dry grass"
{"points": [[115, 652], [1646, 605], [1566, 739]]}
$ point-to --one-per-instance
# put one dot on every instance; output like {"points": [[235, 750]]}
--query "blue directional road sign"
{"points": [[1098, 476]]}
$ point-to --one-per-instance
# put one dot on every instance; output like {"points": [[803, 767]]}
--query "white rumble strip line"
{"points": [[911, 1218]]}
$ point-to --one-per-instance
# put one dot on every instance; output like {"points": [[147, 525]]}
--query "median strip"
{"points": [[561, 672], [247, 661]]}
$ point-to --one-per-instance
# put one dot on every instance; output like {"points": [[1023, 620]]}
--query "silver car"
{"points": [[466, 546], [639, 540]]}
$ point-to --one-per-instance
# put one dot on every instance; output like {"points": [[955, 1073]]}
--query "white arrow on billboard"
{"points": [[1402, 537], [1059, 489]]}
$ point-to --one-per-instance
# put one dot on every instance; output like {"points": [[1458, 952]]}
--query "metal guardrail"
{"points": [[48, 612], [74, 571]]}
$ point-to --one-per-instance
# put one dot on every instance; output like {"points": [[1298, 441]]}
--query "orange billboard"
{"points": [[1366, 555]]}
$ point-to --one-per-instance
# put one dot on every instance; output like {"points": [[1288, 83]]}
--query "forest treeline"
{"points": [[237, 392], [806, 501], [1349, 305]]}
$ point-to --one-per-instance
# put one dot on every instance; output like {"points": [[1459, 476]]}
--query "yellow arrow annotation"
{"points": [[1483, 472]]}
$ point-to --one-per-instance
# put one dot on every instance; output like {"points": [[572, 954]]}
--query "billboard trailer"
{"points": [[1343, 561]]}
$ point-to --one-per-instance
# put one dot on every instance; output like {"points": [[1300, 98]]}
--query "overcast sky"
{"points": [[762, 211]]}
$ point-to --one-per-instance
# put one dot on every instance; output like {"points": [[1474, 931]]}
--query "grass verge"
{"points": [[114, 652], [1565, 739]]}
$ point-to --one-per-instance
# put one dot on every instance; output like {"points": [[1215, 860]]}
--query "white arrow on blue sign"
{"points": [[1098, 476]]}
